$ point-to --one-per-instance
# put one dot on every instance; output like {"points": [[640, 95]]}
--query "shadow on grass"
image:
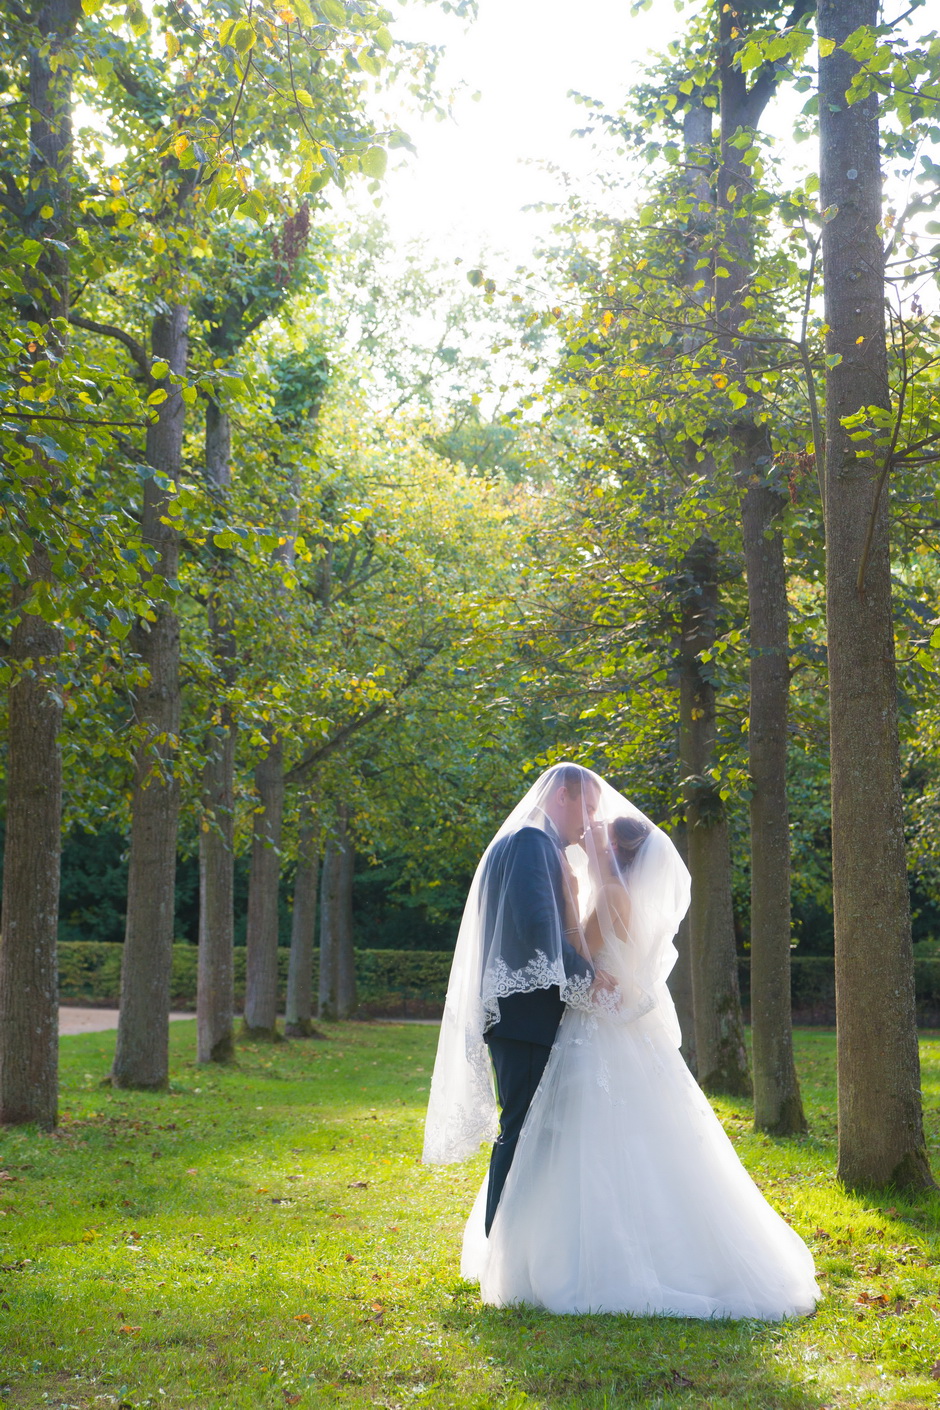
{"points": [[636, 1363]]}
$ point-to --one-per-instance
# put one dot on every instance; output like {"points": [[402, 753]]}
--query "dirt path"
{"points": [[72, 1020]]}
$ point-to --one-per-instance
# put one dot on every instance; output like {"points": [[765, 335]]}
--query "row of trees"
{"points": [[223, 569], [309, 602], [697, 352]]}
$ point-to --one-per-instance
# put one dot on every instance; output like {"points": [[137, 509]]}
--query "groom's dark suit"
{"points": [[522, 898]]}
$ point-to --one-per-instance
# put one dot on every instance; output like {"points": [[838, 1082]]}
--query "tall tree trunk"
{"points": [[262, 936], [29, 1028], [299, 1010], [262, 931], [142, 1055], [346, 1001], [215, 1000], [329, 905], [719, 1030], [680, 980], [777, 1104], [881, 1137]]}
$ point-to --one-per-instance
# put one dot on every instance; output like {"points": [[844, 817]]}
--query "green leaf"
{"points": [[833, 359], [155, 398], [373, 161], [383, 39], [303, 98], [159, 370], [333, 10], [826, 46]]}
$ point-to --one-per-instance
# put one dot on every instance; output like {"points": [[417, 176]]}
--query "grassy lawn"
{"points": [[266, 1237]]}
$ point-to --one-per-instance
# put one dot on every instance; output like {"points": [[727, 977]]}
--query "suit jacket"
{"points": [[523, 871]]}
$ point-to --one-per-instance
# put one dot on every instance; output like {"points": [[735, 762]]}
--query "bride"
{"points": [[624, 1193]]}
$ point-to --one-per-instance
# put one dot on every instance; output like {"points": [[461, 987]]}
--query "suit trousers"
{"points": [[519, 1067]]}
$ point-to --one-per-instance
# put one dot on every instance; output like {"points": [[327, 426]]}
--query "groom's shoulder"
{"points": [[526, 840]]}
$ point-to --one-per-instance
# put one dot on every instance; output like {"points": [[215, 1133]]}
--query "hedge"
{"points": [[813, 989], [90, 973], [415, 981]]}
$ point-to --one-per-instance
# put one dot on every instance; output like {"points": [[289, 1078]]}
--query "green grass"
{"points": [[266, 1237]]}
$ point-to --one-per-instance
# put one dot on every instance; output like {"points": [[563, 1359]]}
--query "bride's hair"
{"points": [[627, 837]]}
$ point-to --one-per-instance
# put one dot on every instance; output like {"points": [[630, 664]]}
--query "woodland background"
{"points": [[316, 549]]}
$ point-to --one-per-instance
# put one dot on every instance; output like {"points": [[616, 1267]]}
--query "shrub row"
{"points": [[813, 989], [90, 973], [415, 981]]}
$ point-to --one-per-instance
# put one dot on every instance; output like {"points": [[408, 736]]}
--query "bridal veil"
{"points": [[625, 892]]}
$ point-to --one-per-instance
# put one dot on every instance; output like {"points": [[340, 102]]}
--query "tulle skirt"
{"points": [[625, 1194]]}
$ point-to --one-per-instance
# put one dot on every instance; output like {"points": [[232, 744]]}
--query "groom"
{"points": [[522, 902]]}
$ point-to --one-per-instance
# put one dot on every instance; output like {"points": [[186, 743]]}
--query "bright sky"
{"points": [[472, 176]]}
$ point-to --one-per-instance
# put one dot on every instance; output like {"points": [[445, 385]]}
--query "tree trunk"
{"points": [[262, 933], [719, 1030], [215, 1001], [29, 981], [299, 1012], [778, 1107], [329, 902], [777, 1104], [29, 1027], [680, 980], [881, 1137], [337, 987], [346, 1002], [142, 1055]]}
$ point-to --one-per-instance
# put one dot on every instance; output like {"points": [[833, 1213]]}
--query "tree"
{"points": [[881, 1139], [28, 969], [777, 1104]]}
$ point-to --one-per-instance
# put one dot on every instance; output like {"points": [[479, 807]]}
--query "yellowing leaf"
{"points": [[180, 144], [826, 46], [47, 212], [859, 340], [172, 44]]}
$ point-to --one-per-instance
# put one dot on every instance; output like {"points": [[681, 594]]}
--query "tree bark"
{"points": [[262, 932], [881, 1138], [215, 1001], [29, 1029], [329, 893], [337, 987], [778, 1107], [719, 1030], [680, 979], [299, 1011], [142, 1055], [346, 1001]]}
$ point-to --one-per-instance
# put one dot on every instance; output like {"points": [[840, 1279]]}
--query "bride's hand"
{"points": [[605, 983]]}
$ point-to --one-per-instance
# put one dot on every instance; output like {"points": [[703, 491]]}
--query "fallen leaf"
{"points": [[935, 1371], [821, 1234], [129, 1331], [350, 1258], [377, 1307], [290, 1398], [358, 1185], [303, 1317]]}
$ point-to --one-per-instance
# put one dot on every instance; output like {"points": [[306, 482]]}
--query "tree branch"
{"points": [[110, 330], [351, 727]]}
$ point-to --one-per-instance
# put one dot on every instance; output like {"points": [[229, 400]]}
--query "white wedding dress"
{"points": [[625, 1194]]}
